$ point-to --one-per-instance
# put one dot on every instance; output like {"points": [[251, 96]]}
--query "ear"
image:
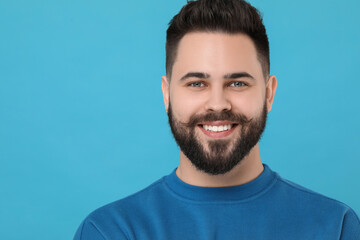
{"points": [[165, 87], [271, 85]]}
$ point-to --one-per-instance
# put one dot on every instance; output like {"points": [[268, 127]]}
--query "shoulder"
{"points": [[121, 208], [304, 194], [309, 200], [136, 198], [112, 219], [303, 207]]}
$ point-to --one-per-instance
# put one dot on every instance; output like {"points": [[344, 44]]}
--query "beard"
{"points": [[221, 155]]}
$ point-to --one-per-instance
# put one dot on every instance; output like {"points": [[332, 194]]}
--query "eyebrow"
{"points": [[227, 76], [238, 75], [195, 74]]}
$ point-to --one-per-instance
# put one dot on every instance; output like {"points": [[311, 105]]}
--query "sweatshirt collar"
{"points": [[233, 193]]}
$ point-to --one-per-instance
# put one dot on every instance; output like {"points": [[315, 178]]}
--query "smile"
{"points": [[219, 129]]}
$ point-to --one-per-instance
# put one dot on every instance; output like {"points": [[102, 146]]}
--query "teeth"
{"points": [[217, 128]]}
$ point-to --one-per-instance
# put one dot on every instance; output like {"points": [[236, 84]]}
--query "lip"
{"points": [[217, 123], [217, 135]]}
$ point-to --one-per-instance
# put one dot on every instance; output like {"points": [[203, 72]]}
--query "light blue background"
{"points": [[82, 121]]}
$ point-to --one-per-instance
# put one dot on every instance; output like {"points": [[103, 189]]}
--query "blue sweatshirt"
{"points": [[268, 207]]}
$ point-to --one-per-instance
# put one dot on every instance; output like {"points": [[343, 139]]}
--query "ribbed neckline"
{"points": [[234, 193]]}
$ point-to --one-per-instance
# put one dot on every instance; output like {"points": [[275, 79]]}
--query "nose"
{"points": [[217, 101]]}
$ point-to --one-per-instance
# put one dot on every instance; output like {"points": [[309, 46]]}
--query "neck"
{"points": [[247, 170]]}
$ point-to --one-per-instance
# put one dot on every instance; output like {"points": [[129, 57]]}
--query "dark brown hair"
{"points": [[227, 16]]}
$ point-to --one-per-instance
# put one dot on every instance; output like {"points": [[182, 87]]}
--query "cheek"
{"points": [[249, 103], [184, 105]]}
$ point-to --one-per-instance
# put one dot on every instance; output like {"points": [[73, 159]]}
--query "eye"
{"points": [[196, 84], [237, 84]]}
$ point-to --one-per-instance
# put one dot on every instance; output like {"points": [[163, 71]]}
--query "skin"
{"points": [[218, 55]]}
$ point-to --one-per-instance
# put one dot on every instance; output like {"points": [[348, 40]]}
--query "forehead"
{"points": [[216, 53]]}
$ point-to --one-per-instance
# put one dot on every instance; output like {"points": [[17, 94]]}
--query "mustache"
{"points": [[218, 116]]}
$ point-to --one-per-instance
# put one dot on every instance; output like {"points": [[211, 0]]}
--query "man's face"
{"points": [[216, 99]]}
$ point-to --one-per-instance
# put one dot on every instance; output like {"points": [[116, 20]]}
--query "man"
{"points": [[217, 93]]}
